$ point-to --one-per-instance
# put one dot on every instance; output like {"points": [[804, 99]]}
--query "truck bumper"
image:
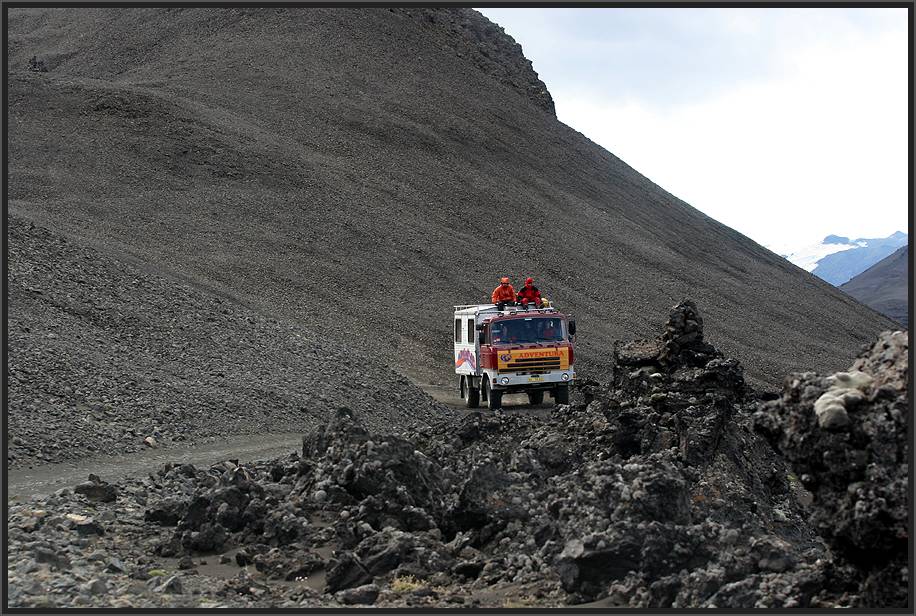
{"points": [[527, 382]]}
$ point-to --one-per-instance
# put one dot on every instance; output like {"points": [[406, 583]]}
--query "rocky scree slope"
{"points": [[106, 357], [344, 168], [652, 489]]}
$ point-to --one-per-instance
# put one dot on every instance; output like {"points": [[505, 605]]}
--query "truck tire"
{"points": [[470, 393], [561, 394], [494, 397], [536, 397]]}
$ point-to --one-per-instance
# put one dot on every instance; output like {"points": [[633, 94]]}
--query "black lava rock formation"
{"points": [[656, 488], [845, 436]]}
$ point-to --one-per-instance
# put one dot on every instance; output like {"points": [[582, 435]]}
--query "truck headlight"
{"points": [[565, 377], [504, 380]]}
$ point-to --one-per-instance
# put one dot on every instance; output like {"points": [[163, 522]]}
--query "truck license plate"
{"points": [[535, 378]]}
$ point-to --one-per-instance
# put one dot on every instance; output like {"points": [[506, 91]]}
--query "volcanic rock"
{"points": [[659, 489], [845, 436], [361, 595], [346, 571], [96, 489]]}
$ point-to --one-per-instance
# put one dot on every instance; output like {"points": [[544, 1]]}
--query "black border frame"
{"points": [[909, 5]]}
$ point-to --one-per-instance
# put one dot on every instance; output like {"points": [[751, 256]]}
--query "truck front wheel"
{"points": [[470, 393], [561, 394], [494, 397]]}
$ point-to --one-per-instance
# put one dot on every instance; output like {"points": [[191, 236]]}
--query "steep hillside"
{"points": [[885, 286], [359, 171]]}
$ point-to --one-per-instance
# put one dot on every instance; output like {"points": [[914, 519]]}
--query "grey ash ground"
{"points": [[104, 354], [656, 488]]}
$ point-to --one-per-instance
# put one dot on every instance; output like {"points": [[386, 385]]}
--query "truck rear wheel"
{"points": [[536, 397], [469, 393], [561, 394], [494, 397]]}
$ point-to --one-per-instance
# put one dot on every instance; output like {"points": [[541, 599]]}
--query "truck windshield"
{"points": [[534, 329]]}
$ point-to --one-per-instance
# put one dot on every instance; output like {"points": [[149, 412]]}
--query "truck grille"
{"points": [[537, 364]]}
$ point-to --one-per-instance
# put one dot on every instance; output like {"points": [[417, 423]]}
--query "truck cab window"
{"points": [[470, 331], [457, 330], [529, 330]]}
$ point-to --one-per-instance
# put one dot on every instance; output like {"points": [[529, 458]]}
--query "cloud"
{"points": [[800, 129]]}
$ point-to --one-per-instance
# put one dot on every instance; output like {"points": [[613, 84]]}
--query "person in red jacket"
{"points": [[529, 295], [503, 294]]}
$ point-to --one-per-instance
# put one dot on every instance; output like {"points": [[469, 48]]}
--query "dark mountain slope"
{"points": [[361, 171], [885, 286]]}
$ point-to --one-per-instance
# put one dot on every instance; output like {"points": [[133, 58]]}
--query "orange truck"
{"points": [[511, 351]]}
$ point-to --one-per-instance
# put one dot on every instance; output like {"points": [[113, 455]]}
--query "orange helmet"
{"points": [[504, 280]]}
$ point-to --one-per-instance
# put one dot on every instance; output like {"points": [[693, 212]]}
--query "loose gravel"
{"points": [[106, 359]]}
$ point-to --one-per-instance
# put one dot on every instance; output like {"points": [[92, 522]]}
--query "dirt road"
{"points": [[47, 478]]}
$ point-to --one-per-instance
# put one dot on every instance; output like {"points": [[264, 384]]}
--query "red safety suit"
{"points": [[530, 295]]}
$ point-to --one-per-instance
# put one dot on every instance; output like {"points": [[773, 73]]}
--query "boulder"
{"points": [[98, 490], [361, 595]]}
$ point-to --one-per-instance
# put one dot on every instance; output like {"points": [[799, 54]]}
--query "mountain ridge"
{"points": [[837, 259]]}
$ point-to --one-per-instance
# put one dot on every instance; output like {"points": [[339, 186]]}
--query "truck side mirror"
{"points": [[479, 326], [572, 327], [481, 337]]}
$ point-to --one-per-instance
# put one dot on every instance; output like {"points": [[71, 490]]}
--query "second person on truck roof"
{"points": [[529, 294]]}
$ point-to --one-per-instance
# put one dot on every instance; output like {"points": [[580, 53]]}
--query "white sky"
{"points": [[785, 124]]}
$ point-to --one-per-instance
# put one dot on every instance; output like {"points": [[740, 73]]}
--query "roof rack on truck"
{"points": [[479, 308]]}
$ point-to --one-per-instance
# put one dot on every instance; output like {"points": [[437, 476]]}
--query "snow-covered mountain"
{"points": [[838, 259]]}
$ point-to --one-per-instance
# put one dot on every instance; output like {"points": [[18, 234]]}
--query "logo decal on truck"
{"points": [[466, 356], [533, 354]]}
